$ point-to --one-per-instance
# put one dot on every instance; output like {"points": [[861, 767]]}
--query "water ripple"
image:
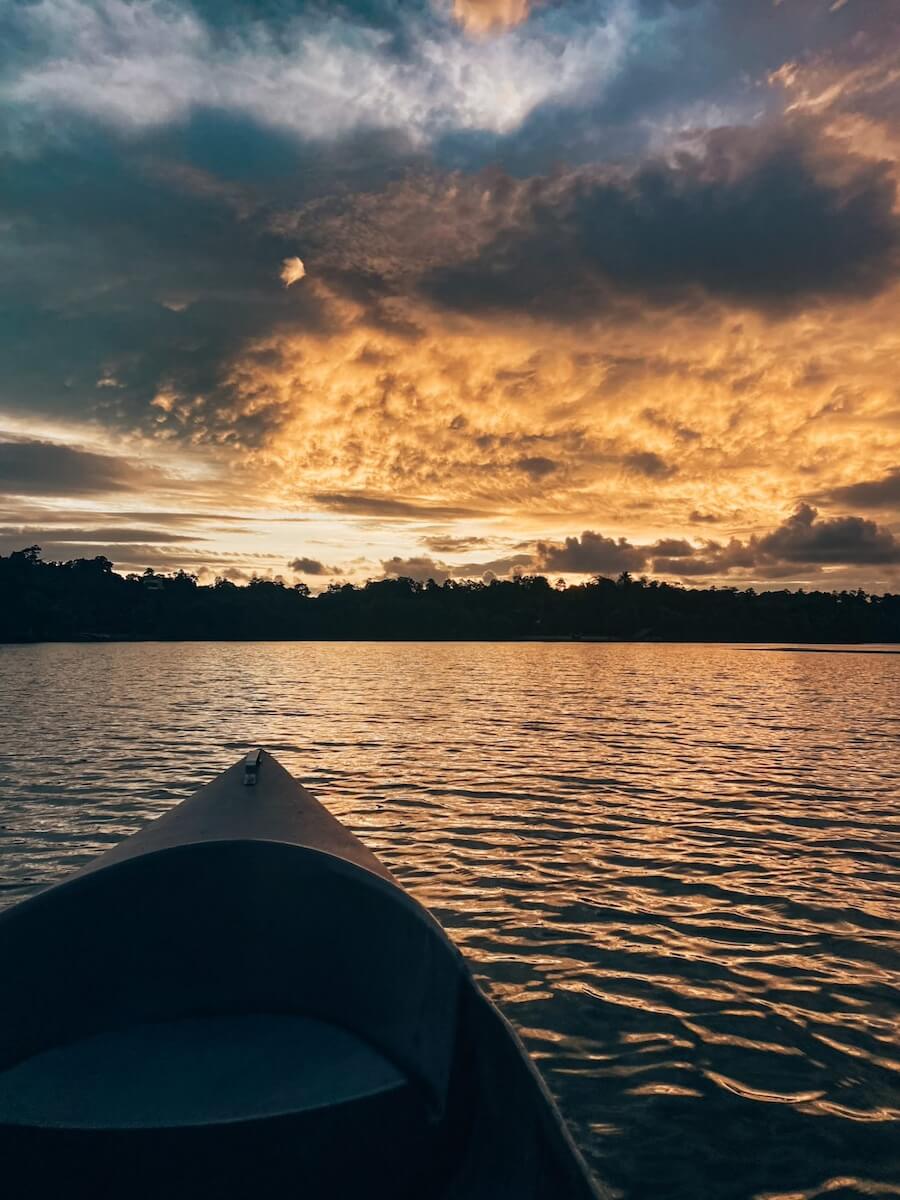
{"points": [[676, 868]]}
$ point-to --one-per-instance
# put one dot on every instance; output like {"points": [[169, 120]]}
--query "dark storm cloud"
{"points": [[312, 566], [710, 559], [805, 538], [591, 554], [757, 216], [802, 540], [646, 462], [507, 565], [125, 277], [537, 466], [674, 548], [266, 164], [145, 266], [51, 469], [422, 568], [869, 493]]}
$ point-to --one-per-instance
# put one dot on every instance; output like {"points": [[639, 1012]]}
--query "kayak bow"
{"points": [[241, 1001]]}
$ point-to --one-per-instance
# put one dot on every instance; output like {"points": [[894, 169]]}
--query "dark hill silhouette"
{"points": [[86, 600]]}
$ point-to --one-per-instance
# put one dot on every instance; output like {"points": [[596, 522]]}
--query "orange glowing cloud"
{"points": [[487, 16], [599, 427]]}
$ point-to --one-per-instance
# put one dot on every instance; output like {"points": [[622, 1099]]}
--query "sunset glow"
{"points": [[454, 289]]}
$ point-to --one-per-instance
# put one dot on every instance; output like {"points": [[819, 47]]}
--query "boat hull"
{"points": [[244, 903]]}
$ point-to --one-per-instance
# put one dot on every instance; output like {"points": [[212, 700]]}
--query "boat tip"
{"points": [[252, 764]]}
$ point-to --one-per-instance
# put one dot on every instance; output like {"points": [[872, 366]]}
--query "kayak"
{"points": [[241, 1001]]}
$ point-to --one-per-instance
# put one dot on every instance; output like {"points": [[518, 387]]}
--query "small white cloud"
{"points": [[292, 269]]}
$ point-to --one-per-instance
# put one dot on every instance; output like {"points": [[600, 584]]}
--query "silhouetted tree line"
{"points": [[86, 599]]}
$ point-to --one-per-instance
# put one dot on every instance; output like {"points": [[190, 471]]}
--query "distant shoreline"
{"points": [[826, 649], [785, 648], [86, 600]]}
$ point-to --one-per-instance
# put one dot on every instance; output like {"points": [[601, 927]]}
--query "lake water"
{"points": [[676, 868]]}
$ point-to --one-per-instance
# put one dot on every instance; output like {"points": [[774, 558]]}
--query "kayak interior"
{"points": [[241, 1001]]}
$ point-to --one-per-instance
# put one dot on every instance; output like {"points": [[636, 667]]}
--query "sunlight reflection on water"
{"points": [[674, 867]]}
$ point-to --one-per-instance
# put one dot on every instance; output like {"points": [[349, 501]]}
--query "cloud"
{"points": [[537, 466], [312, 566], [418, 567], [507, 565], [711, 560], [382, 426], [120, 545], [147, 300], [448, 544], [325, 72], [805, 538], [577, 75], [292, 270], [52, 469], [591, 554], [868, 493], [131, 301], [368, 505], [758, 216], [674, 548], [422, 568], [664, 91], [130, 556], [852, 87], [488, 16], [579, 277], [646, 462], [29, 535]]}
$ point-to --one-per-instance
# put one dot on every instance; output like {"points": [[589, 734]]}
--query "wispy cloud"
{"points": [[41, 468], [151, 62]]}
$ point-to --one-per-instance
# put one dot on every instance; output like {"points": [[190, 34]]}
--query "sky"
{"points": [[453, 288]]}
